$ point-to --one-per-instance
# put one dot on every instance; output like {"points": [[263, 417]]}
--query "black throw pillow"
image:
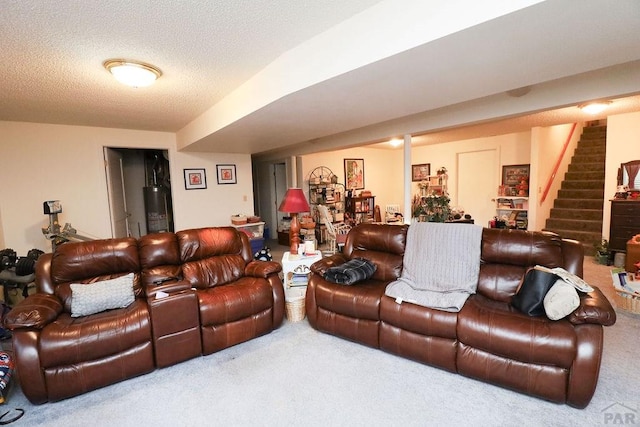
{"points": [[529, 298]]}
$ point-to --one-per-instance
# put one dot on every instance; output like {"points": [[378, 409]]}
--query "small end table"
{"points": [[296, 268]]}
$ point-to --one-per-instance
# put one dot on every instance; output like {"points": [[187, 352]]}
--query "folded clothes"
{"points": [[350, 272]]}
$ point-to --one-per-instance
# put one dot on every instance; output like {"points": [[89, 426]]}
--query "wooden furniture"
{"points": [[625, 223], [360, 208], [513, 211]]}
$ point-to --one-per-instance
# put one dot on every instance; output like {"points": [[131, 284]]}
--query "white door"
{"points": [[477, 184], [115, 188]]}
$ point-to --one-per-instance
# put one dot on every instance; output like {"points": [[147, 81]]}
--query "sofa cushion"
{"points": [[507, 254], [381, 244], [498, 328], [213, 271], [360, 302], [95, 297], [418, 319], [243, 298], [74, 340]]}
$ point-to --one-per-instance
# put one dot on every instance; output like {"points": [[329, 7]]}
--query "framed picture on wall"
{"points": [[195, 179], [420, 172], [226, 174], [354, 174], [513, 174]]}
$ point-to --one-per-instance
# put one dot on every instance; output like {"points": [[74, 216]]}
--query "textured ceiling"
{"points": [[52, 52]]}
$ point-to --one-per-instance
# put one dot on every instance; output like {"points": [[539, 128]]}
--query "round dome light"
{"points": [[132, 73]]}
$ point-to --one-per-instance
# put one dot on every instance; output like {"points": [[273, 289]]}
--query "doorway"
{"points": [[139, 189], [270, 187]]}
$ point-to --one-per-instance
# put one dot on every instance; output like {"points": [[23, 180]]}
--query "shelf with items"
{"points": [[512, 212], [433, 185], [360, 208], [324, 189]]}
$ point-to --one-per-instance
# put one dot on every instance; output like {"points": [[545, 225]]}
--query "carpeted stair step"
{"points": [[584, 176], [576, 214], [581, 194], [589, 158], [582, 184], [574, 224], [583, 150], [584, 167], [594, 132], [592, 141], [578, 204]]}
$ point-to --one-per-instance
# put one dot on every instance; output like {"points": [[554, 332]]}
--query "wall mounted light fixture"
{"points": [[132, 73]]}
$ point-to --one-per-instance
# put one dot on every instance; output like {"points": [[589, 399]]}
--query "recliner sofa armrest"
{"points": [[321, 266], [262, 269], [172, 287], [594, 308], [35, 311]]}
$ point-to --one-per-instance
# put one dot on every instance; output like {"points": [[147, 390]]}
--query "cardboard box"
{"points": [[633, 256]]}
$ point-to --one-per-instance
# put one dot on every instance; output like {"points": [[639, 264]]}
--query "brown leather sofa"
{"points": [[487, 339], [196, 292]]}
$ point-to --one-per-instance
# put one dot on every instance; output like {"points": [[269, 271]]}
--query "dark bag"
{"points": [[529, 298]]}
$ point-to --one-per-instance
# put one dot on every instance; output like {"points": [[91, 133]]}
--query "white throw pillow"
{"points": [[561, 300], [95, 297]]}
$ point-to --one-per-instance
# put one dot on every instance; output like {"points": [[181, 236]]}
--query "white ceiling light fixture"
{"points": [[594, 107], [132, 73], [395, 142]]}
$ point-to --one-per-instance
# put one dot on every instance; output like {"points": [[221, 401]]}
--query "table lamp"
{"points": [[294, 202]]}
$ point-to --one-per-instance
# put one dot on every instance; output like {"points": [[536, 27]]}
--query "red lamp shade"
{"points": [[294, 202]]}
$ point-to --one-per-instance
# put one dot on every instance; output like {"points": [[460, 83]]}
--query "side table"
{"points": [[296, 271], [296, 267]]}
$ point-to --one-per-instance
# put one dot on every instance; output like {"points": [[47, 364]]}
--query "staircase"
{"points": [[577, 211]]}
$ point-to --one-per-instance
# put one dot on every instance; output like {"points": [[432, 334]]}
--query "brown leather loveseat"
{"points": [[194, 292], [488, 339]]}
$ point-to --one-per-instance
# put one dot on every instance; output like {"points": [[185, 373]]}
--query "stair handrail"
{"points": [[558, 162]]}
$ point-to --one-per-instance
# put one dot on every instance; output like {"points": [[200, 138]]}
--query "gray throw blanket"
{"points": [[440, 266]]}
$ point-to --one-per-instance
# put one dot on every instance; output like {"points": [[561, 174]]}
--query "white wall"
{"points": [[546, 147], [513, 149], [56, 162], [382, 171], [623, 145]]}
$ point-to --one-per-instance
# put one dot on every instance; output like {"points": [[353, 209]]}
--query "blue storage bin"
{"points": [[256, 245]]}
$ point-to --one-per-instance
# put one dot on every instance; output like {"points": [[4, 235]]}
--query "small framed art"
{"points": [[420, 172], [513, 174], [226, 174], [354, 174], [195, 179]]}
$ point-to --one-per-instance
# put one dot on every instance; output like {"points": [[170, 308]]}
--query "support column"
{"points": [[407, 179]]}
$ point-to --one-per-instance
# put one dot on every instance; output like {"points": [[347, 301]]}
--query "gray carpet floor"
{"points": [[298, 376]]}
